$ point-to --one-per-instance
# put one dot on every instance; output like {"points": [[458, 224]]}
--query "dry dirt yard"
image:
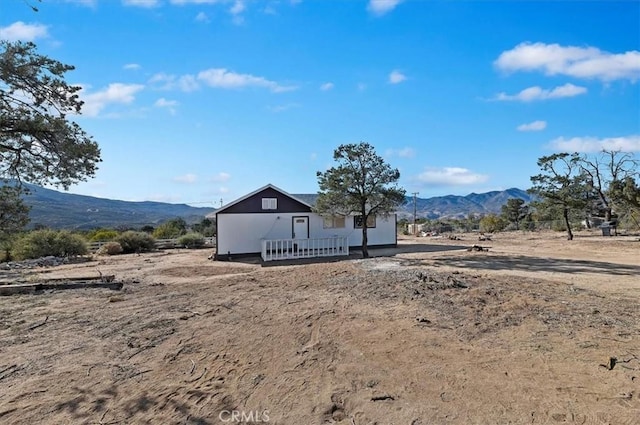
{"points": [[535, 330]]}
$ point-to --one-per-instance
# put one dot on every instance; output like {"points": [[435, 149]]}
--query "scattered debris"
{"points": [[478, 248], [32, 327], [49, 261], [383, 397], [36, 288], [448, 282]]}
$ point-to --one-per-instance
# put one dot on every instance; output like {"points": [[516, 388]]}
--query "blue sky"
{"points": [[198, 101]]}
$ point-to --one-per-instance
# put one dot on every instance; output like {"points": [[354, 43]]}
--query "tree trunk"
{"points": [[565, 214], [365, 250]]}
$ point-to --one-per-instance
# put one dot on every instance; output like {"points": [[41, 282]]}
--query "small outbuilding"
{"points": [[276, 225]]}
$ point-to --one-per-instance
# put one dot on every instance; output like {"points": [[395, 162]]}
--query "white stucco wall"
{"points": [[243, 233]]}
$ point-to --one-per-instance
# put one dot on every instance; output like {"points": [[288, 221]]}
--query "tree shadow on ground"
{"points": [[537, 264], [356, 253], [91, 404]]}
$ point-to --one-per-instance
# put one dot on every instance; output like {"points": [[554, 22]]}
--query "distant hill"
{"points": [[60, 210], [451, 206]]}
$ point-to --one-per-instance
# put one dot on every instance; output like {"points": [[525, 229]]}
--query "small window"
{"points": [[334, 222], [357, 221], [269, 203]]}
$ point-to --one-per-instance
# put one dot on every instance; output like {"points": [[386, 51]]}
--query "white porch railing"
{"points": [[287, 249]]}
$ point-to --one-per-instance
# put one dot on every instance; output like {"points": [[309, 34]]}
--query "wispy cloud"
{"points": [[116, 93], [19, 31], [237, 7], [167, 104], [164, 103], [533, 126], [132, 66], [594, 144], [141, 3], [450, 176], [225, 79], [188, 178], [221, 177], [186, 83], [202, 17], [236, 12], [537, 93], [396, 77], [327, 86], [401, 153], [361, 86], [578, 62], [381, 7]]}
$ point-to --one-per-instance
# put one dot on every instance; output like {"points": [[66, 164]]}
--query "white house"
{"points": [[276, 225]]}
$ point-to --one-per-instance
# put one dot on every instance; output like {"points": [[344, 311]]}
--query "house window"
{"points": [[269, 203], [357, 221], [334, 222]]}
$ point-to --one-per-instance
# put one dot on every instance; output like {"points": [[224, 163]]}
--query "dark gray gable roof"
{"points": [[268, 189], [307, 198]]}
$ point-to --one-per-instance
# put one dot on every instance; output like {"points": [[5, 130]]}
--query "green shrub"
{"points": [[110, 248], [43, 243], [191, 240], [171, 229], [132, 241], [103, 235]]}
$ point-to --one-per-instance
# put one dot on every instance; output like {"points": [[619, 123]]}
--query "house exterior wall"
{"points": [[242, 233]]}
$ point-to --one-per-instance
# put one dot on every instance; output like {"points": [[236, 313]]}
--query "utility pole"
{"points": [[415, 213]]}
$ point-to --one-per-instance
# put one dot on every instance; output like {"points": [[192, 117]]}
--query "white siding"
{"points": [[243, 233]]}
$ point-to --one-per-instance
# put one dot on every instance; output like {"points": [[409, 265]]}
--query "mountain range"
{"points": [[61, 210]]}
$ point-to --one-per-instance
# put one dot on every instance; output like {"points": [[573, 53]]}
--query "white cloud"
{"points": [[164, 103], [327, 86], [221, 177], [380, 7], [361, 86], [202, 17], [396, 77], [537, 93], [19, 31], [120, 93], [313, 156], [188, 178], [450, 176], [186, 83], [132, 66], [579, 62], [141, 3], [237, 8], [533, 126], [401, 153], [594, 144], [222, 78]]}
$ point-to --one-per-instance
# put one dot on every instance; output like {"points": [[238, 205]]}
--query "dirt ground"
{"points": [[534, 330]]}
